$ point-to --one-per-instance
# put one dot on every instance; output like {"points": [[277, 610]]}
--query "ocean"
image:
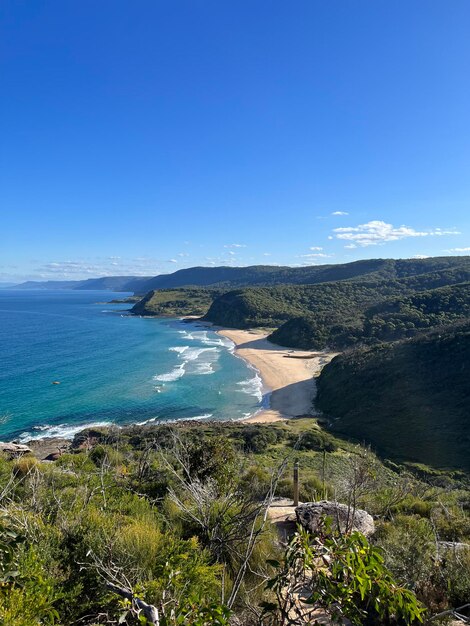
{"points": [[113, 368]]}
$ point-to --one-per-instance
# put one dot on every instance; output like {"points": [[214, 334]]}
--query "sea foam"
{"points": [[169, 377], [62, 431], [252, 386], [191, 362]]}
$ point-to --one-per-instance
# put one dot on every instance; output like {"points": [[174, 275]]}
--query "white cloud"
{"points": [[458, 250], [318, 255], [235, 245], [222, 260], [339, 213], [72, 269], [351, 246], [420, 256], [78, 270], [266, 253], [315, 248], [231, 252], [378, 232], [172, 260]]}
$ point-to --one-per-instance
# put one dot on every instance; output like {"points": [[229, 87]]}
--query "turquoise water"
{"points": [[112, 367]]}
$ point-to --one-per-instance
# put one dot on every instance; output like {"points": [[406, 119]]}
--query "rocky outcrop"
{"points": [[49, 448], [14, 449], [311, 514]]}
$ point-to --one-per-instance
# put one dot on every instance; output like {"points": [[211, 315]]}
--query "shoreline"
{"points": [[288, 377], [288, 374]]}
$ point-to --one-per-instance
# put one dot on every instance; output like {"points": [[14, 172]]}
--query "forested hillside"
{"points": [[344, 313], [410, 399], [264, 275], [352, 320]]}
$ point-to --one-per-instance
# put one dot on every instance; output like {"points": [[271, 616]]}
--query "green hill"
{"points": [[176, 302], [343, 313], [265, 275], [232, 277], [409, 399], [350, 318]]}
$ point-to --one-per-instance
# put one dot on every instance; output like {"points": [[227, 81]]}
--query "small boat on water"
{"points": [[56, 382]]}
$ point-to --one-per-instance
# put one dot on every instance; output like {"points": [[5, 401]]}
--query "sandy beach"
{"points": [[288, 374]]}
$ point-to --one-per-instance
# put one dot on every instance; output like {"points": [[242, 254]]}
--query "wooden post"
{"points": [[296, 483]]}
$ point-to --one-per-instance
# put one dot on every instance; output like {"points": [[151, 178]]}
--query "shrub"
{"points": [[25, 465], [256, 481], [311, 489], [29, 598], [415, 506], [78, 462], [155, 484], [138, 548], [455, 569], [409, 547], [315, 440], [212, 458], [257, 438], [106, 454], [345, 576], [452, 523]]}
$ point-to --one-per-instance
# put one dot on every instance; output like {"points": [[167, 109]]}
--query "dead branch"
{"points": [[149, 611]]}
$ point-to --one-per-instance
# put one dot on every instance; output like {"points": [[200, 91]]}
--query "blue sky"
{"points": [[142, 137]]}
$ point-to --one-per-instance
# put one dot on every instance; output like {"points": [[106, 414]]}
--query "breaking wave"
{"points": [[62, 431], [198, 361], [253, 387], [169, 377]]}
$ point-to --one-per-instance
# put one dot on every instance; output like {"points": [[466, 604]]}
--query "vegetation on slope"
{"points": [[176, 302], [271, 306], [410, 399], [350, 320], [341, 314], [404, 317], [255, 307], [170, 512], [407, 399], [259, 275]]}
